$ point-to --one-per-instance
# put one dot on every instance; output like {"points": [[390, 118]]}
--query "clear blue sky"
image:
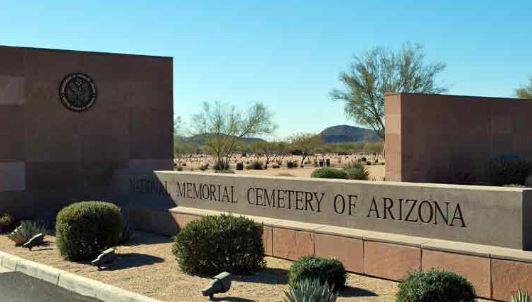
{"points": [[286, 54]]}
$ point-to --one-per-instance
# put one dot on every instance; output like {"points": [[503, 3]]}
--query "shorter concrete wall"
{"points": [[475, 214], [495, 272]]}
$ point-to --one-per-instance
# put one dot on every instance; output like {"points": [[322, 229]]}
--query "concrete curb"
{"points": [[81, 285]]}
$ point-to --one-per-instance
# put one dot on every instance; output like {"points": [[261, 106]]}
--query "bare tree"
{"points": [[307, 143], [380, 71], [224, 126], [525, 92]]}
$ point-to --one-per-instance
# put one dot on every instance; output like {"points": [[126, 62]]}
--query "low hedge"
{"points": [[435, 286], [85, 229], [329, 173], [330, 271], [215, 244]]}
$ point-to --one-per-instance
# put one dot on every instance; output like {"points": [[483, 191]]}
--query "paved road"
{"points": [[17, 287]]}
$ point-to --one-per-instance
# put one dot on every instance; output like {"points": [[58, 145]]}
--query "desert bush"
{"points": [[275, 166], [221, 165], [6, 221], [308, 290], [25, 231], [215, 244], [240, 166], [85, 229], [204, 167], [357, 171], [255, 165], [179, 168], [329, 173], [435, 286], [509, 169], [522, 296], [289, 164], [330, 271]]}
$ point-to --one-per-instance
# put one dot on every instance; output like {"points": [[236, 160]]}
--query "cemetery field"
{"points": [[146, 265], [375, 172], [278, 165]]}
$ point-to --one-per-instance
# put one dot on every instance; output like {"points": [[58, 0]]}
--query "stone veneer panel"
{"points": [[11, 90], [267, 240], [390, 261], [507, 277], [12, 176], [348, 250], [475, 269], [292, 244]]}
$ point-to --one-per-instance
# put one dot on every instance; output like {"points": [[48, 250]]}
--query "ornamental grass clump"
{"points": [[85, 229], [329, 173], [327, 271], [215, 244], [310, 290], [357, 171], [522, 296], [435, 286], [25, 231]]}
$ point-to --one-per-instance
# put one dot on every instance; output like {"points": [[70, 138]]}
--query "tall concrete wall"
{"points": [[50, 155], [443, 138]]}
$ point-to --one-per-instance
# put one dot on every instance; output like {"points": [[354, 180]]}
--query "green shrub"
{"points": [[330, 271], [310, 290], [240, 166], [221, 165], [356, 171], [255, 165], [435, 286], [85, 229], [509, 169], [329, 173], [6, 221], [25, 231], [215, 244], [522, 296]]}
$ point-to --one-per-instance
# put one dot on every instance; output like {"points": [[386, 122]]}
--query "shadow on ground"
{"points": [[349, 291], [266, 276], [231, 299], [140, 238], [129, 260]]}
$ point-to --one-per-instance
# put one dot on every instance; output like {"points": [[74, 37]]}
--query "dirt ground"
{"points": [[147, 266]]}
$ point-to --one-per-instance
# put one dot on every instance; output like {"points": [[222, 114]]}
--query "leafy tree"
{"points": [[380, 71], [224, 126], [307, 143], [525, 92]]}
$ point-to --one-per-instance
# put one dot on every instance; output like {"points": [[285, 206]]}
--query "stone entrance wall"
{"points": [[450, 139], [51, 155], [475, 214]]}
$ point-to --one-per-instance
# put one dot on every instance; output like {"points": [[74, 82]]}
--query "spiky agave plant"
{"points": [[522, 296], [25, 231], [310, 290]]}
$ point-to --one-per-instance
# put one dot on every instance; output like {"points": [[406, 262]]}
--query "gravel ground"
{"points": [[147, 266]]}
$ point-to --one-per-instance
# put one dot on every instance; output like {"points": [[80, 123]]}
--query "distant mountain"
{"points": [[348, 134]]}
